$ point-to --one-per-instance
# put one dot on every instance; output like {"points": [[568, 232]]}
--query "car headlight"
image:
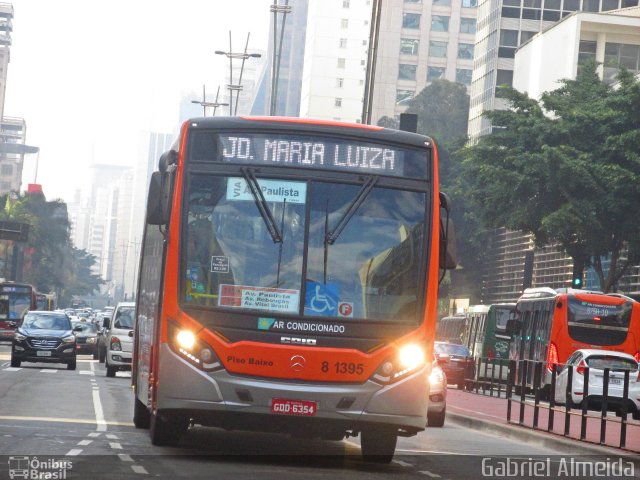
{"points": [[91, 340], [20, 337], [436, 377], [69, 339]]}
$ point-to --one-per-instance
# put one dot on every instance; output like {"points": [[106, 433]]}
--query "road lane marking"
{"points": [[61, 420], [12, 369], [86, 372], [5, 364], [403, 464], [112, 437], [439, 452], [92, 367], [94, 434], [84, 443], [73, 452], [115, 445], [124, 457], [139, 469], [48, 370], [430, 474], [97, 407]]}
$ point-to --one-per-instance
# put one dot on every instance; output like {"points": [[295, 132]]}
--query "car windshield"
{"points": [[124, 318], [451, 349], [369, 269], [37, 321], [87, 327], [612, 362]]}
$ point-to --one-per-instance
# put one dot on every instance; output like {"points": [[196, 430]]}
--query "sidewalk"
{"points": [[490, 413]]}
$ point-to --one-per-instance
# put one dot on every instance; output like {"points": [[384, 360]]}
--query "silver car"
{"points": [[118, 338], [437, 397]]}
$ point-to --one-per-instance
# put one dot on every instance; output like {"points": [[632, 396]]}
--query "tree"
{"points": [[566, 169], [51, 263], [443, 111], [388, 122]]}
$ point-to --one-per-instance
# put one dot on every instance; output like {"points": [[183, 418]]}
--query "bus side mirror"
{"points": [[105, 323], [158, 201], [448, 259]]}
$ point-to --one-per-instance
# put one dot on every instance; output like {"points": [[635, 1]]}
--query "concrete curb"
{"points": [[564, 445]]}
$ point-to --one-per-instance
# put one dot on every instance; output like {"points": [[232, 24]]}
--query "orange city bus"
{"points": [[288, 281], [552, 324]]}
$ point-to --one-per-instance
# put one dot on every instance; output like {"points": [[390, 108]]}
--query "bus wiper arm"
{"points": [[261, 204], [359, 199]]}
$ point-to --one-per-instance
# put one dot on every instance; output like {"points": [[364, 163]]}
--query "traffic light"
{"points": [[577, 278], [576, 282]]}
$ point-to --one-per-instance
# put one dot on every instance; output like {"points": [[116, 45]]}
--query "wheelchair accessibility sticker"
{"points": [[322, 299]]}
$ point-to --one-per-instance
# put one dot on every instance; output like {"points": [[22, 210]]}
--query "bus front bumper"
{"points": [[244, 403]]}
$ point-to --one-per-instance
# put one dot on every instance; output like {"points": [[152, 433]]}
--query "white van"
{"points": [[119, 338]]}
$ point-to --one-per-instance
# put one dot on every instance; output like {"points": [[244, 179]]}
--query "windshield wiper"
{"points": [[359, 199], [261, 204]]}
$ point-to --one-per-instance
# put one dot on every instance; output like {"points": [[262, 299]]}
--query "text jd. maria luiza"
{"points": [[313, 153]]}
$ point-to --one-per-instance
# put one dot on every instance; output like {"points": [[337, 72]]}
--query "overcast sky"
{"points": [[89, 76]]}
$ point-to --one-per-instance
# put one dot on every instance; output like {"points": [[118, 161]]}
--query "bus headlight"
{"points": [[196, 351], [411, 357], [186, 339]]}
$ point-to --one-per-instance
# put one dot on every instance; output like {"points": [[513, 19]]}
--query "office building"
{"points": [[420, 41], [503, 25], [290, 50], [335, 59], [12, 131]]}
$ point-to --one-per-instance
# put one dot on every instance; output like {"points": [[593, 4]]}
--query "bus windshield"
{"points": [[502, 317], [19, 304], [598, 324], [362, 258]]}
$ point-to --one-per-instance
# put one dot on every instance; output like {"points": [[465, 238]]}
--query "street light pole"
{"points": [[215, 104], [238, 56], [275, 64]]}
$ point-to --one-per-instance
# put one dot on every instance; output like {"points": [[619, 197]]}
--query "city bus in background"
{"points": [[288, 281], [16, 299], [550, 325], [450, 329], [486, 337], [486, 330], [46, 301]]}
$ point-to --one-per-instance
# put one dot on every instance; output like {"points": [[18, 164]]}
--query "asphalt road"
{"points": [[78, 424]]}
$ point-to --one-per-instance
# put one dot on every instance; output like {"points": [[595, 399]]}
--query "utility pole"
{"points": [[215, 104], [231, 55], [376, 12], [277, 57]]}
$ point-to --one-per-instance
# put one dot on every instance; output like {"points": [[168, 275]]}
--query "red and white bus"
{"points": [[16, 299], [550, 325], [288, 281]]}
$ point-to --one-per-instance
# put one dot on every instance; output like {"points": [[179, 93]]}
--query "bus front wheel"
{"points": [[378, 445], [166, 429]]}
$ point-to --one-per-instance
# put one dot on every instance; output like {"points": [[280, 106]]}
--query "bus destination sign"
{"points": [[310, 152]]}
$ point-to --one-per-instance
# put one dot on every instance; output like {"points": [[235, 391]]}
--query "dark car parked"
{"points": [[87, 338], [45, 337], [456, 361]]}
